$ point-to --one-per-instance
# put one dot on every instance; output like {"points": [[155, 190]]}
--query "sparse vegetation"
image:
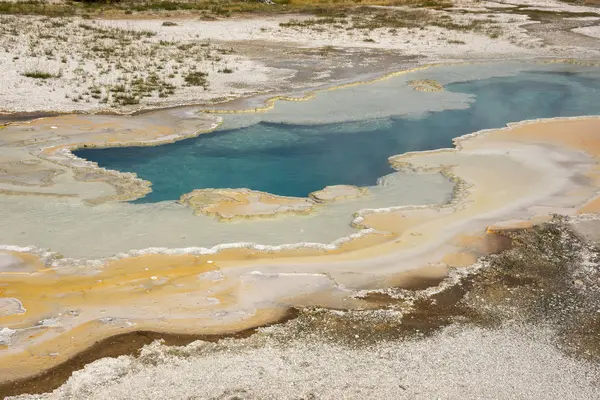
{"points": [[369, 19], [326, 50], [208, 9], [37, 74], [196, 79], [111, 65]]}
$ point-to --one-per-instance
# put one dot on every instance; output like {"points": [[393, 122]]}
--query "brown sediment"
{"points": [[418, 279], [473, 248], [122, 344], [531, 282], [437, 311], [418, 316], [25, 116]]}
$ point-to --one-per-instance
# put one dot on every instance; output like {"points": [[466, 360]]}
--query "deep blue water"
{"points": [[295, 160]]}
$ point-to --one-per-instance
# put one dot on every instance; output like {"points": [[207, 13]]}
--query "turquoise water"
{"points": [[294, 160]]}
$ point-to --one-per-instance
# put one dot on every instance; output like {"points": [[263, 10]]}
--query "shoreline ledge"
{"points": [[426, 85], [46, 145], [230, 204], [337, 192], [537, 171]]}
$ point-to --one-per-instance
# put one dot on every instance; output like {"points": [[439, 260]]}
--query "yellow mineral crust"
{"points": [[337, 192], [426, 85], [228, 204]]}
